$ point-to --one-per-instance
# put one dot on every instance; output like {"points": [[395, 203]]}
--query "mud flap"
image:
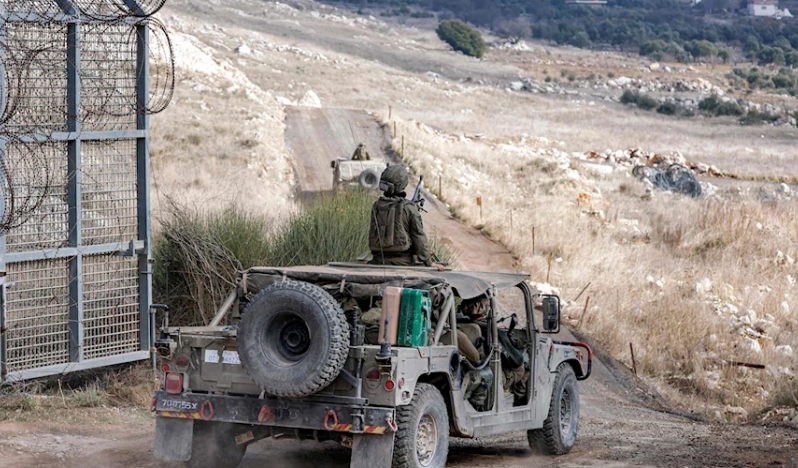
{"points": [[372, 451], [173, 438]]}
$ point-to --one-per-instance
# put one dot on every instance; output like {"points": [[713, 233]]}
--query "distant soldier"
{"points": [[397, 234], [361, 154]]}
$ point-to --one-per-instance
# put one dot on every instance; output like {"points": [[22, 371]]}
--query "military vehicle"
{"points": [[389, 361], [352, 173]]}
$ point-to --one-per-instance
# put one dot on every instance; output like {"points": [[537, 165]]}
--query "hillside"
{"points": [[701, 289], [716, 272]]}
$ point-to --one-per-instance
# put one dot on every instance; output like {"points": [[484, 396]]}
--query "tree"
{"points": [[770, 55], [462, 37], [514, 30], [724, 54], [703, 48], [752, 46], [651, 47]]}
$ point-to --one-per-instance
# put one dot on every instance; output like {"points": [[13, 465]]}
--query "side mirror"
{"points": [[551, 314], [333, 163]]}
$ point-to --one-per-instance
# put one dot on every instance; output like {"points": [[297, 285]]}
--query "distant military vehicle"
{"points": [[350, 173], [389, 361]]}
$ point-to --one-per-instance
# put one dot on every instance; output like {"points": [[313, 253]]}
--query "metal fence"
{"points": [[75, 260]]}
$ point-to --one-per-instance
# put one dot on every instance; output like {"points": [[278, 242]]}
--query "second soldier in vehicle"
{"points": [[397, 232], [361, 154]]}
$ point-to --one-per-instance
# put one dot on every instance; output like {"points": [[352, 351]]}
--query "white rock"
{"points": [[516, 86], [704, 286], [752, 345], [784, 350], [310, 99], [791, 280], [243, 49], [654, 66], [759, 226], [785, 306]]}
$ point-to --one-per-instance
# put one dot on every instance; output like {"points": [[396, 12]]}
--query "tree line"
{"points": [[661, 29]]}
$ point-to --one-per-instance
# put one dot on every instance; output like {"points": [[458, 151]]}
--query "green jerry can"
{"points": [[414, 318]]}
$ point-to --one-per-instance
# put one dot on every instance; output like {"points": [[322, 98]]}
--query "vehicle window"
{"points": [[511, 301]]}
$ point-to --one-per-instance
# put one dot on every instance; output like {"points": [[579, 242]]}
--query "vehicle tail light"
{"points": [[181, 361], [390, 385], [174, 383], [373, 374], [165, 368]]}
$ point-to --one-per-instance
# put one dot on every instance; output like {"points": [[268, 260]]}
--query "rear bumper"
{"points": [[295, 414]]}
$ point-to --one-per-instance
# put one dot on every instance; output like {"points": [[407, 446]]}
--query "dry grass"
{"points": [[126, 386], [624, 245]]}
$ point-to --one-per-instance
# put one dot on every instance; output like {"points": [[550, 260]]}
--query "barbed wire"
{"points": [[35, 96]]}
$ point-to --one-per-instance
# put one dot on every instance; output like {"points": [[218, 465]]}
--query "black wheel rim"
{"points": [[289, 336]]}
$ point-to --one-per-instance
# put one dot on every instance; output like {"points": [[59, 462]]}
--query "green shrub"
{"points": [[462, 37], [646, 102], [330, 229], [642, 101], [667, 108], [715, 106], [629, 97], [754, 117]]}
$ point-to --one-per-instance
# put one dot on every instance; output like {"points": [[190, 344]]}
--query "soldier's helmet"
{"points": [[361, 145], [394, 179]]}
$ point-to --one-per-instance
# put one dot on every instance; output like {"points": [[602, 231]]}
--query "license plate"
{"points": [[227, 357]]}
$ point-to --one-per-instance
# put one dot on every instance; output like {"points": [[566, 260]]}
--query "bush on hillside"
{"points": [[462, 37], [667, 108], [716, 106], [640, 100]]}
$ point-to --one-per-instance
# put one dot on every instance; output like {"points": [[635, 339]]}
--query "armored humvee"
{"points": [[389, 361], [351, 173]]}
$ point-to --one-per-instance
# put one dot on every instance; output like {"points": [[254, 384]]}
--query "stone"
{"points": [[784, 350], [310, 99], [243, 49], [517, 85], [704, 286], [654, 66], [752, 345]]}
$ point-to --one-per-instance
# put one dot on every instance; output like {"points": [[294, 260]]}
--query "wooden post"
{"points": [[394, 129], [403, 147], [584, 312], [389, 113], [582, 291], [479, 204], [511, 223], [440, 187], [634, 364], [548, 270], [533, 241]]}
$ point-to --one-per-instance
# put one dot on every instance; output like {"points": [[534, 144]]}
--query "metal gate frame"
{"points": [[75, 250]]}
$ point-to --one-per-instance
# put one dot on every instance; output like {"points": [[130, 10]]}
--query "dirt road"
{"points": [[622, 423], [318, 136]]}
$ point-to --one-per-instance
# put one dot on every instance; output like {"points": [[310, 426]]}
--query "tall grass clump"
{"points": [[197, 255], [331, 229]]}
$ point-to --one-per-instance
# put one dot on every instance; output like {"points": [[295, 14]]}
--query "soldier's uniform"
{"points": [[361, 154], [397, 234]]}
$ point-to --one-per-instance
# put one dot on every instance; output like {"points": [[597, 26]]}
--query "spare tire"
{"points": [[293, 339], [369, 179]]}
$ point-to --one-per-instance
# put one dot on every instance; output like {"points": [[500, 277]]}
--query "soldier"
{"points": [[397, 232], [361, 154]]}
